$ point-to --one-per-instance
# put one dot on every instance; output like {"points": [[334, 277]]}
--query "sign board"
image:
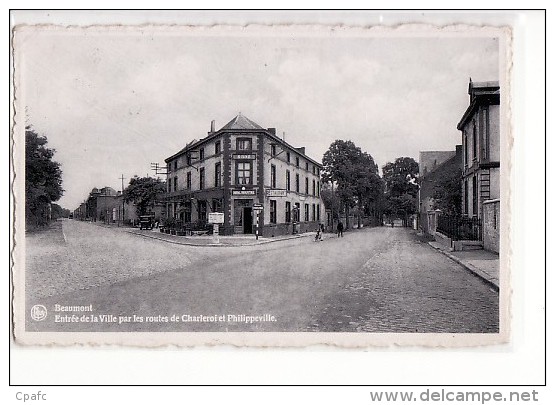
{"points": [[215, 217], [244, 156], [276, 193], [243, 192], [257, 207]]}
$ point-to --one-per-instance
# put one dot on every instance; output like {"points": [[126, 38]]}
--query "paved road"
{"points": [[372, 280]]}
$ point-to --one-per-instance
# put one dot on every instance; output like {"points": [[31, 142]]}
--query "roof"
{"points": [[430, 160], [481, 93], [241, 122]]}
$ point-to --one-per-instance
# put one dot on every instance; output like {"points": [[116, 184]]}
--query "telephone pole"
{"points": [[122, 201]]}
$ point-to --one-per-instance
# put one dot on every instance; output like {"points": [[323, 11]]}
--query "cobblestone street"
{"points": [[372, 280]]}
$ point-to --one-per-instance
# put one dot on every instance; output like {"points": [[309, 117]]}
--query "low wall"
{"points": [[490, 225]]}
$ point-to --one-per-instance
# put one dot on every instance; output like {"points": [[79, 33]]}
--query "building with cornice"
{"points": [[239, 169]]}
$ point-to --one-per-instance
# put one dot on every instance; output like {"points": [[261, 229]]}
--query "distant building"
{"points": [[100, 203], [434, 166], [238, 168]]}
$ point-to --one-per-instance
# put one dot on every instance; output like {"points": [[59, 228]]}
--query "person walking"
{"points": [[340, 229]]}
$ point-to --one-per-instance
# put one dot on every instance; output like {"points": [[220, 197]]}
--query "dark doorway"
{"points": [[247, 220]]}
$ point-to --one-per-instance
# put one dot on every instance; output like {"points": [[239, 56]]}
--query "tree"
{"points": [[355, 174], [447, 195], [401, 187], [43, 179], [143, 192]]}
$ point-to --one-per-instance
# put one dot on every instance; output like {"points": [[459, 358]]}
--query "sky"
{"points": [[112, 102]]}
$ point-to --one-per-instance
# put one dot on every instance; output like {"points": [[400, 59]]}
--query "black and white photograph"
{"points": [[264, 185]]}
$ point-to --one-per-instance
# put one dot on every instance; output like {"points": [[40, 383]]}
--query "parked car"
{"points": [[146, 221]]}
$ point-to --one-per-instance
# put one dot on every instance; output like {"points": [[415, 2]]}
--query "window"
{"points": [[465, 141], [287, 211], [201, 153], [288, 180], [202, 210], [169, 167], [484, 134], [313, 169], [288, 157], [474, 196], [297, 161], [297, 183], [243, 172], [306, 185], [169, 184], [318, 171], [187, 211], [217, 205], [201, 178], [313, 212], [318, 212], [189, 159], [297, 212], [466, 196], [474, 143], [273, 149], [314, 187], [273, 176], [217, 147], [306, 167], [318, 189], [273, 211], [175, 183], [244, 143], [306, 212], [188, 180], [217, 174], [175, 165]]}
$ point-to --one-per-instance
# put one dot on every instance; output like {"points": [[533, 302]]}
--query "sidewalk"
{"points": [[482, 263], [224, 241]]}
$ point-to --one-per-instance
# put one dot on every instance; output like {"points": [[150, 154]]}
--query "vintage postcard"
{"points": [[284, 185]]}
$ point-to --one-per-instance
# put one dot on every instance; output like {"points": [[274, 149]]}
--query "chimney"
{"points": [[213, 126], [272, 131]]}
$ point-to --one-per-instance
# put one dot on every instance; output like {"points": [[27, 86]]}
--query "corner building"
{"points": [[237, 168]]}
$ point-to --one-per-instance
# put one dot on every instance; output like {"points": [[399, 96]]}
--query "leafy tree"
{"points": [[330, 199], [447, 195], [401, 187], [143, 192], [354, 172], [59, 212], [43, 179]]}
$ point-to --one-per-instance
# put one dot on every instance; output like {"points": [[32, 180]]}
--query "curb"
{"points": [[218, 245], [472, 269]]}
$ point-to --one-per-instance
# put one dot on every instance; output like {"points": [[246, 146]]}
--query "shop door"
{"points": [[247, 220]]}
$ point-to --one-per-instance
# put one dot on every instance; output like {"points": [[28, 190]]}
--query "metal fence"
{"points": [[460, 228]]}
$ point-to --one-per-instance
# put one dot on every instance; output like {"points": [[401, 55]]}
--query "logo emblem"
{"points": [[38, 312]]}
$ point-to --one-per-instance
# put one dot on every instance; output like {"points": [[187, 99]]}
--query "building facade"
{"points": [[239, 169], [434, 166], [481, 147]]}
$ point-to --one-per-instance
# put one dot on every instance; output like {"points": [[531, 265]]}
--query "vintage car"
{"points": [[146, 221]]}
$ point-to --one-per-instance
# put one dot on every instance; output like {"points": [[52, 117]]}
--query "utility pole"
{"points": [[122, 201]]}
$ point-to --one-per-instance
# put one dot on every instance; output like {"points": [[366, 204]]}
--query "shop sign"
{"points": [[243, 192], [215, 217], [276, 193], [244, 156]]}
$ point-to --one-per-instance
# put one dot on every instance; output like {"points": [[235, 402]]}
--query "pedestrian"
{"points": [[322, 228], [318, 236], [340, 229]]}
